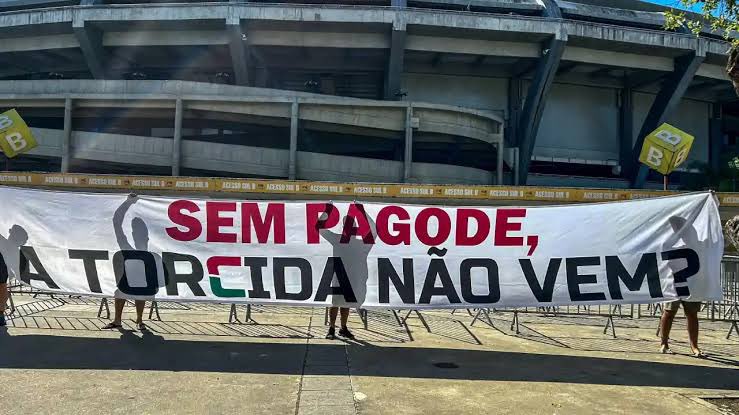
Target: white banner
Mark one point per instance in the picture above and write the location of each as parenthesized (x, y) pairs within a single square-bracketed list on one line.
[(370, 255)]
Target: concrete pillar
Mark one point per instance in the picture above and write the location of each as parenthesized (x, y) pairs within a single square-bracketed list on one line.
[(715, 137), (515, 105), (408, 153), (67, 138), (394, 69), (665, 102), (516, 158), (294, 113), (239, 51), (177, 142), (551, 9), (536, 100), (262, 78), (625, 128), (499, 169), (91, 45)]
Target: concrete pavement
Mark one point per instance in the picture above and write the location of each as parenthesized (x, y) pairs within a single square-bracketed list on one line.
[(54, 359)]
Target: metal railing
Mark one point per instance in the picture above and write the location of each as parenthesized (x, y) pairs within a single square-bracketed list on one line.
[(724, 310), (728, 308)]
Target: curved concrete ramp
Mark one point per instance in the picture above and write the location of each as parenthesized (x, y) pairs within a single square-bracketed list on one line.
[(273, 106), (246, 160), (350, 120)]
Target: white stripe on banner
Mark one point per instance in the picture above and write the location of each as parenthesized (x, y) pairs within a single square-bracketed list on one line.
[(362, 255)]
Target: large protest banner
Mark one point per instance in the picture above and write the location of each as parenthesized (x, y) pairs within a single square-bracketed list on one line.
[(369, 255)]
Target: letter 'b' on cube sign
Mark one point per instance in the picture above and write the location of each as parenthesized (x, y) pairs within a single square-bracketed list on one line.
[(15, 136), (666, 148)]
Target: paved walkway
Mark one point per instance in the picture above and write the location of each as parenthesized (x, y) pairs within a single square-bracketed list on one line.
[(54, 359)]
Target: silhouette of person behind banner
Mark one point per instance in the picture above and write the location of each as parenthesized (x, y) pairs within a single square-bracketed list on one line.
[(682, 231), (10, 254), (10, 250), (140, 233), (685, 232), (352, 251), (353, 254)]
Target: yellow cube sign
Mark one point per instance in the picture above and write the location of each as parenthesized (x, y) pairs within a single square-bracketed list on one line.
[(15, 136), (666, 148)]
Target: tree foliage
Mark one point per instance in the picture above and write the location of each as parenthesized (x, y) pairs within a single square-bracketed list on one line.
[(720, 17), (722, 179), (717, 16)]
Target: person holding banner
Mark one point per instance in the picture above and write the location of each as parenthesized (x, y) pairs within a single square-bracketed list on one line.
[(687, 234), (140, 233), (691, 309), (351, 249), (9, 262)]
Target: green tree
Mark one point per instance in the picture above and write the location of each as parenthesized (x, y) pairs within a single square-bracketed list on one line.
[(717, 16), (723, 179)]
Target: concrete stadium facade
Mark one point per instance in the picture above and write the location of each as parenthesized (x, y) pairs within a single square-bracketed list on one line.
[(432, 91)]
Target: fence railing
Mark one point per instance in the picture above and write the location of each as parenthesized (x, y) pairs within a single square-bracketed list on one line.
[(725, 310)]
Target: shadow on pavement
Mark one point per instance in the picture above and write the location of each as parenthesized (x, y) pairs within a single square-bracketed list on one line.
[(718, 349), (275, 331), (152, 352)]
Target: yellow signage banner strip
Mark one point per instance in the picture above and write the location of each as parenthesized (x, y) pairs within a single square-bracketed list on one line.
[(328, 189)]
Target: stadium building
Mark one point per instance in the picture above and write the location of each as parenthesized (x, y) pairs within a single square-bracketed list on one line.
[(551, 93)]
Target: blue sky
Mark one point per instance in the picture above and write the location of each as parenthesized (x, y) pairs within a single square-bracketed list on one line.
[(673, 3)]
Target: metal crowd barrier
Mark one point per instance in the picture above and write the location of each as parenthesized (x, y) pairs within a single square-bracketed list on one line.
[(726, 310), (606, 311)]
